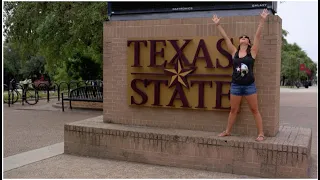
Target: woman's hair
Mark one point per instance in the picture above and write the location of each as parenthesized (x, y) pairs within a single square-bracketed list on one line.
[(249, 46)]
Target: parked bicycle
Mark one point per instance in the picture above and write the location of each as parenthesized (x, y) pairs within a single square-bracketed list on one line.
[(32, 92), (27, 94)]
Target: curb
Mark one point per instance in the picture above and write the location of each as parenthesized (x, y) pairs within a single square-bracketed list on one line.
[(58, 105)]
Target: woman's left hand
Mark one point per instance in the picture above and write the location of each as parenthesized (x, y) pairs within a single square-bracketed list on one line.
[(264, 14)]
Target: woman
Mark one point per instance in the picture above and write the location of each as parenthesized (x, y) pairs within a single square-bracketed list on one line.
[(243, 81)]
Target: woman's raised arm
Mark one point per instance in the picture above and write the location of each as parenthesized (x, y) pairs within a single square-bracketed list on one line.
[(257, 37), (232, 49)]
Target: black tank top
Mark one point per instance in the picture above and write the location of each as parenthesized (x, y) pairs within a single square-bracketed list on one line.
[(243, 70)]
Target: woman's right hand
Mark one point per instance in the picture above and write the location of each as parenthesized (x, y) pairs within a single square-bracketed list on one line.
[(232, 49), (215, 19)]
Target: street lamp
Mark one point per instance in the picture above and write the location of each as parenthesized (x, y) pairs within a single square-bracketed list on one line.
[(299, 69)]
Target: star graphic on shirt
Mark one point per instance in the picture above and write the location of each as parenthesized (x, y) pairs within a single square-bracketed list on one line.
[(179, 74), (238, 69)]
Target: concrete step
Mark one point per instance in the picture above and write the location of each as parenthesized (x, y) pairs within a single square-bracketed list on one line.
[(286, 155)]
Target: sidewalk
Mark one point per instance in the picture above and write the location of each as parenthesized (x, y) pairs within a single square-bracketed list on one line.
[(68, 166), (311, 89), (30, 127)]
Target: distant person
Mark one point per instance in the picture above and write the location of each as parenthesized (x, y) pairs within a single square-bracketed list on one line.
[(243, 81)]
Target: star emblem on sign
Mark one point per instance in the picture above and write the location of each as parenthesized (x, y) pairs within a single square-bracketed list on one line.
[(179, 75)]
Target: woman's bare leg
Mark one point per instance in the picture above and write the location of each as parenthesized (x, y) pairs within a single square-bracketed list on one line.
[(235, 105), (253, 104)]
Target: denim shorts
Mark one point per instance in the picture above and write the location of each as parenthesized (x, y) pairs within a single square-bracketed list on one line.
[(243, 90)]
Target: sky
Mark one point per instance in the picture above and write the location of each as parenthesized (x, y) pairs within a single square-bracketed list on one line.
[(300, 19)]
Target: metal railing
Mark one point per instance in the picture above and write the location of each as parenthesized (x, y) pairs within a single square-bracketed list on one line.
[(29, 92)]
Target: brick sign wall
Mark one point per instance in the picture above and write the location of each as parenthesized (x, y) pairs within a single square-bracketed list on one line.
[(119, 58)]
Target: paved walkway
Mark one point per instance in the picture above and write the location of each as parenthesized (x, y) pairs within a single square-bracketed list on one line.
[(32, 127), (67, 166), (32, 156), (312, 89), (295, 110)]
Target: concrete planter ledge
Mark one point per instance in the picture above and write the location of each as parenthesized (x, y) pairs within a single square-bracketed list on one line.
[(287, 155)]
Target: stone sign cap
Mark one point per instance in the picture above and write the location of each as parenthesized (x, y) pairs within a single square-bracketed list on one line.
[(168, 10)]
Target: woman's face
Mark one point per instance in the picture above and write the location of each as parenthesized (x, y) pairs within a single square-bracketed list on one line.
[(244, 40)]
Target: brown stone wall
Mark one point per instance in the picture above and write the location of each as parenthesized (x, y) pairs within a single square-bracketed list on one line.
[(267, 73)]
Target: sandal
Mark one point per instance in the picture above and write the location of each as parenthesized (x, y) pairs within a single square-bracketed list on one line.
[(260, 138), (224, 133)]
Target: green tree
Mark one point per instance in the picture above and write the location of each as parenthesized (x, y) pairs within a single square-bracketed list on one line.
[(11, 63), (59, 32), (292, 55), (284, 35), (14, 67), (33, 68)]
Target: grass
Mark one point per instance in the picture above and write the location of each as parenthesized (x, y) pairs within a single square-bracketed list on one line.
[(42, 95), (287, 87)]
